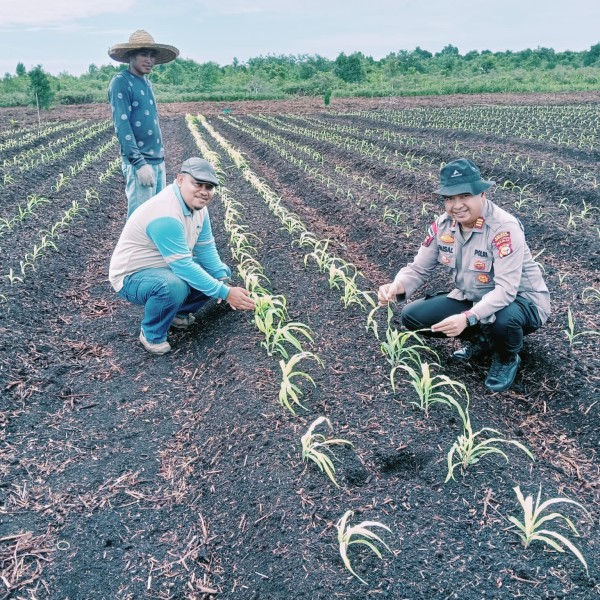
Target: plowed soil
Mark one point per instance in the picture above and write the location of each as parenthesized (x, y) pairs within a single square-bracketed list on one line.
[(125, 475)]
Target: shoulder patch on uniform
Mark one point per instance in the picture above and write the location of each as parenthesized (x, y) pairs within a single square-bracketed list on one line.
[(503, 243), (479, 223), (431, 233)]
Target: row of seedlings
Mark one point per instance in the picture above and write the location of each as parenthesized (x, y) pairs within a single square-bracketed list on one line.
[(392, 214), (29, 159), (315, 446), (570, 126), (22, 212), (470, 446), (380, 192), (18, 138), (49, 235), (270, 316), (271, 309), (509, 160)]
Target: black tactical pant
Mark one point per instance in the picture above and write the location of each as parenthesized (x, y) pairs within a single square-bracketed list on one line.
[(504, 335)]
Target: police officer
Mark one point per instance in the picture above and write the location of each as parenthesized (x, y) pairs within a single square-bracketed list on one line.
[(499, 296)]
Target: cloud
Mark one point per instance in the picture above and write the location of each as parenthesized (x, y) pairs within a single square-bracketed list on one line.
[(53, 12)]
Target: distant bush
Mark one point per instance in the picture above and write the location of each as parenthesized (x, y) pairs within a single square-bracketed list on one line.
[(14, 99), (403, 73), (76, 97)]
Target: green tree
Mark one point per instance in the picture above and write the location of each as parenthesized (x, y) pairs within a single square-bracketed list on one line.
[(20, 70), (350, 68), (592, 56), (39, 86)]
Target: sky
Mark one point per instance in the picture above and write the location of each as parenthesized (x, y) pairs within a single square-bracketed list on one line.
[(69, 35)]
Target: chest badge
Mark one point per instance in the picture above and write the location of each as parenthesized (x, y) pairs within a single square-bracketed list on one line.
[(447, 238), (445, 259), (479, 265), (483, 278)]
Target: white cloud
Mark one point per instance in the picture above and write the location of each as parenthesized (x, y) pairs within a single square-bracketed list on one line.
[(52, 12)]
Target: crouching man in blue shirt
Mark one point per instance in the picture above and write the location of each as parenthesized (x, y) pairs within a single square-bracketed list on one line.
[(166, 258)]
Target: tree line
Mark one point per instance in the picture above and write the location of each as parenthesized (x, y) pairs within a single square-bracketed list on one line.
[(416, 72)]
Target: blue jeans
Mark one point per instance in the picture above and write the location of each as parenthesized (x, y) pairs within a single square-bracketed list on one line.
[(163, 296), (138, 194)]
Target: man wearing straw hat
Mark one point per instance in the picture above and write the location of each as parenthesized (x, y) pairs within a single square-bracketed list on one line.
[(135, 116), (499, 296)]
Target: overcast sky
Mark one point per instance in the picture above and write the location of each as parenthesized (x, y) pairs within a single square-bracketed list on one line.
[(69, 35)]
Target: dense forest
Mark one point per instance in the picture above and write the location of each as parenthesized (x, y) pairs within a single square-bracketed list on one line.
[(402, 73)]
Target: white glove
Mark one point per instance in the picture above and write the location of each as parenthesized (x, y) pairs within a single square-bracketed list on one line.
[(145, 175)]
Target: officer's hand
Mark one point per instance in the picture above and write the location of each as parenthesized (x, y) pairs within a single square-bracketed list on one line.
[(239, 298), (387, 293), (145, 176), (451, 326)]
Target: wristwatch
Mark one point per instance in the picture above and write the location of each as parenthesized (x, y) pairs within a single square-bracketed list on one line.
[(472, 318)]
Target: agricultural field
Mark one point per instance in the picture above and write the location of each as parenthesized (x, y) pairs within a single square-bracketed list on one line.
[(125, 475)]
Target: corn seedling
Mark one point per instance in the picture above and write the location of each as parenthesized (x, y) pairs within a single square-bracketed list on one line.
[(469, 451), (314, 446), (320, 255), (529, 529), (283, 334), (587, 210), (408, 231), (431, 389), (12, 278), (537, 262), (269, 314), (570, 331), (290, 392), (394, 216), (60, 182), (589, 295), (358, 534), (371, 322), (396, 349), (268, 311), (339, 277)]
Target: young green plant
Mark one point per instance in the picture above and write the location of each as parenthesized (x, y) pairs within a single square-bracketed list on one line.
[(469, 450), (529, 529), (570, 331), (358, 534), (396, 348), (290, 392), (431, 389), (315, 445)]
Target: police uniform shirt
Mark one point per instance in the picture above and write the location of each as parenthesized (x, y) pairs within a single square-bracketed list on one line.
[(490, 265)]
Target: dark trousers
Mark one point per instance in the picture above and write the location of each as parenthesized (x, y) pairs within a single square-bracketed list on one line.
[(505, 334)]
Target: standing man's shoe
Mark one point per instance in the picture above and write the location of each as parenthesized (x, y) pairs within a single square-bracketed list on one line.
[(502, 372), (160, 348)]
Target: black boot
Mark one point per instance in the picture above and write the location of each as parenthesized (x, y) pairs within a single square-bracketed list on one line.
[(502, 372), (473, 349)]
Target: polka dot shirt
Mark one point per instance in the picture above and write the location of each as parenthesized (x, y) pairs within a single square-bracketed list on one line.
[(136, 119)]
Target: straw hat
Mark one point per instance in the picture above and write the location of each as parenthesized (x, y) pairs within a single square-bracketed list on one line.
[(142, 39)]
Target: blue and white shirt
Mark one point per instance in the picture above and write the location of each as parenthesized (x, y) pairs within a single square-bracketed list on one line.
[(164, 233), (135, 118)]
